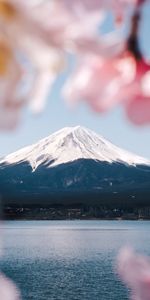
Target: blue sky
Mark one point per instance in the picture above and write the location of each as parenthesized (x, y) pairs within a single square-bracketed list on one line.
[(113, 125)]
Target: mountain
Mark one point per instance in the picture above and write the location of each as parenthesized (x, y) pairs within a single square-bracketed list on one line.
[(70, 144), (74, 166)]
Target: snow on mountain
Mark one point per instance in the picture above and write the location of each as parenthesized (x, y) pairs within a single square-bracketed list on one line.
[(69, 144)]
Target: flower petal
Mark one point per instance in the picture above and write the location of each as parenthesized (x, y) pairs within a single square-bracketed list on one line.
[(138, 110), (134, 270), (8, 290)]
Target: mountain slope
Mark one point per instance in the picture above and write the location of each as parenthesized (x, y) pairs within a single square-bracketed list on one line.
[(74, 166), (70, 144)]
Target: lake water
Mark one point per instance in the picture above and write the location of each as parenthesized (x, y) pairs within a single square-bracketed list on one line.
[(69, 260)]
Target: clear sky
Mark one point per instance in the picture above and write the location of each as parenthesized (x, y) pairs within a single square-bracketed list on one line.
[(113, 125)]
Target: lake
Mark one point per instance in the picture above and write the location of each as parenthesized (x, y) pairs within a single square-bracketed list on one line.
[(69, 260)]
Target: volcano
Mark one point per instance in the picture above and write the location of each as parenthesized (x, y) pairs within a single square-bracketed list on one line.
[(74, 166)]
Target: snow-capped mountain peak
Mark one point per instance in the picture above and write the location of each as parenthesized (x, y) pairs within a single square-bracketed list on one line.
[(69, 144)]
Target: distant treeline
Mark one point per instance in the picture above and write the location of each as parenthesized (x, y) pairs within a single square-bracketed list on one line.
[(68, 213)]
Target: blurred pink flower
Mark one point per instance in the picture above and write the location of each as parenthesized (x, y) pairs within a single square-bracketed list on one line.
[(37, 36), (120, 75), (95, 5), (96, 81), (134, 270), (99, 78), (10, 74), (8, 290), (32, 33), (137, 94), (39, 33), (138, 110)]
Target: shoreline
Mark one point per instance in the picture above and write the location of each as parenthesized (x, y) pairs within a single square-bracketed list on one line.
[(75, 219), (84, 213)]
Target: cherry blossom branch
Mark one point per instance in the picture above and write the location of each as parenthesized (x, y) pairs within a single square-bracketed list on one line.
[(44, 34)]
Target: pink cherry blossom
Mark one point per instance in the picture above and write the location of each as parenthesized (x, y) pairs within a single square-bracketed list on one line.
[(42, 33), (134, 270), (138, 110), (88, 5), (105, 82), (101, 81), (8, 290), (31, 33), (10, 74), (97, 81), (137, 94), (121, 76)]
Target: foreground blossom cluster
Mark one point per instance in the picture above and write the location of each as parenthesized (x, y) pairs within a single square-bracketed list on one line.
[(37, 38), (114, 73), (134, 270), (8, 290)]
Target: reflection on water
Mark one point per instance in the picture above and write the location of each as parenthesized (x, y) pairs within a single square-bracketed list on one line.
[(69, 259)]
